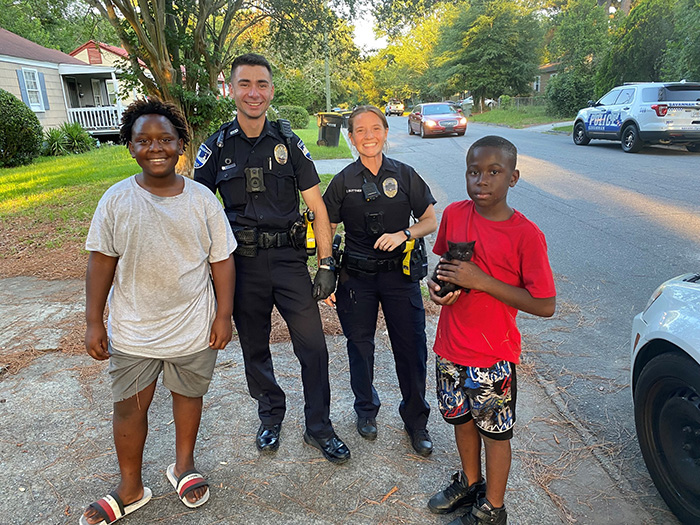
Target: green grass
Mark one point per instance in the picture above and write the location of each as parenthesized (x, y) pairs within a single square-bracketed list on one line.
[(516, 118), (564, 129), (310, 135), (51, 201)]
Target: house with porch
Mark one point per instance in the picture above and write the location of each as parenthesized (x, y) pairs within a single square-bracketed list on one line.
[(99, 53), (58, 87)]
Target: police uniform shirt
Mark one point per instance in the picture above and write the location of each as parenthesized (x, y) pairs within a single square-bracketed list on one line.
[(285, 169), (401, 191)]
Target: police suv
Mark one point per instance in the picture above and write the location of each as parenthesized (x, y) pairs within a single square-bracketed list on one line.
[(666, 392), (637, 114)]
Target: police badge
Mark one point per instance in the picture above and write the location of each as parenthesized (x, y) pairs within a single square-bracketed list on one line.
[(281, 154), (390, 187)]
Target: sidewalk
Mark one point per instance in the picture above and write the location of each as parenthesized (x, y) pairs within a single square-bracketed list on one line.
[(549, 128), (57, 452)]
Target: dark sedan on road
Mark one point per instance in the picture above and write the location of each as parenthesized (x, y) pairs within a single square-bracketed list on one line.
[(436, 118)]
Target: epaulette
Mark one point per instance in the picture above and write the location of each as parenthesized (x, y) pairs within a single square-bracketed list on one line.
[(222, 134)]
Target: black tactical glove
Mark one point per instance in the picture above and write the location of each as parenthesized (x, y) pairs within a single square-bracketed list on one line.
[(324, 284)]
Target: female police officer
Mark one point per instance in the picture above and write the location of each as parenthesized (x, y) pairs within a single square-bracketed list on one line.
[(374, 197)]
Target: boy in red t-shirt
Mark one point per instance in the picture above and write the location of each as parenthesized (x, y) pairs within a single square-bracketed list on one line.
[(477, 342)]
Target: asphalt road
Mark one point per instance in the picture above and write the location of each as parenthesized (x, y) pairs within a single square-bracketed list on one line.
[(617, 225)]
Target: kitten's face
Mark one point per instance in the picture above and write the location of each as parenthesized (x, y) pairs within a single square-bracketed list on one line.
[(461, 250)]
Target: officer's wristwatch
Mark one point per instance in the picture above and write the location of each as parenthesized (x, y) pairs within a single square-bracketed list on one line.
[(407, 233), (327, 263)]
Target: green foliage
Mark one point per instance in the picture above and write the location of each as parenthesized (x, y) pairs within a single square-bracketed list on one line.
[(55, 142), (568, 92), (297, 115), (637, 50), (68, 138), (581, 34), (77, 139), (492, 49), (292, 88), (20, 132), (56, 24), (505, 102), (224, 111), (681, 58)]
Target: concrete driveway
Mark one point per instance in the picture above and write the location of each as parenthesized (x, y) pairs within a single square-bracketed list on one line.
[(57, 452)]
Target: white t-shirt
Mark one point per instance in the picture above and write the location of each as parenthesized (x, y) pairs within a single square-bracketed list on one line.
[(162, 299)]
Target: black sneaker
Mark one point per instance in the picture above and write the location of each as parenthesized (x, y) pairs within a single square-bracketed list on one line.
[(457, 494), (483, 514)]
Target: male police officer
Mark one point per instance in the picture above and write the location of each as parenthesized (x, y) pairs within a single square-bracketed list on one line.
[(258, 166)]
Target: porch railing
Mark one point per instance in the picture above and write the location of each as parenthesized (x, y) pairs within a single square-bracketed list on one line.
[(96, 119)]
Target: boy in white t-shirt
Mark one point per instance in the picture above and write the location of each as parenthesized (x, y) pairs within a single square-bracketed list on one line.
[(155, 240)]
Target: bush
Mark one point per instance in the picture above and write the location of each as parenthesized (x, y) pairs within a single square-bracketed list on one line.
[(68, 138), (55, 142), (297, 115), (505, 102), (77, 139), (568, 92), (20, 132)]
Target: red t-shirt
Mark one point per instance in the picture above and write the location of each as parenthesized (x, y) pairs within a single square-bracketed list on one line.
[(479, 330)]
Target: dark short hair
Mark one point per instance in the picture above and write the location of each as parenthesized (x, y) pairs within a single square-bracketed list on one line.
[(153, 106), (250, 59), (494, 141), (366, 109)]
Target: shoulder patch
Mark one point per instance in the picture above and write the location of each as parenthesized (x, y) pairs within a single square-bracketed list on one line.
[(304, 149), (202, 156)]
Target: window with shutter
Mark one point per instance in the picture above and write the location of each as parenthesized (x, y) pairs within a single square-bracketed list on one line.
[(31, 84)]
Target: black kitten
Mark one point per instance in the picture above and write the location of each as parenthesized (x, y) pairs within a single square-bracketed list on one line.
[(462, 251)]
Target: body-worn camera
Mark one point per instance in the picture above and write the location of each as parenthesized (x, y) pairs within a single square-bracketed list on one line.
[(254, 180), (375, 223), (370, 191)]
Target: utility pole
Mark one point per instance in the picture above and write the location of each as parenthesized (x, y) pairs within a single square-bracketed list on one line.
[(328, 71)]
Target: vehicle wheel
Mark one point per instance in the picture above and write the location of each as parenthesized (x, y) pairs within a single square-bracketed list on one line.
[(580, 136), (631, 143), (694, 148), (410, 129), (461, 133), (667, 417), (422, 131)]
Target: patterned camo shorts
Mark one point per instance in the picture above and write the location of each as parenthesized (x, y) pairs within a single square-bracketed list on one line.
[(486, 395)]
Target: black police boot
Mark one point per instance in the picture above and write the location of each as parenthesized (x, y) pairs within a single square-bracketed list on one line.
[(367, 427), (268, 438), (420, 441), (457, 494), (333, 449)]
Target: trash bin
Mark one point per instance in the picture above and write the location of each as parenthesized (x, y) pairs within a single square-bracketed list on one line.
[(329, 125), (346, 117)]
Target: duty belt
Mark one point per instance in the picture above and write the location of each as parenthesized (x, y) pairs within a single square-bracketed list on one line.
[(370, 264), (250, 239)]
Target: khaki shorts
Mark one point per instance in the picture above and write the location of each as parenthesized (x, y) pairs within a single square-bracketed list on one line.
[(188, 375)]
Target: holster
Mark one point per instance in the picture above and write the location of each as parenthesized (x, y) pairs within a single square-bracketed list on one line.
[(297, 235), (247, 239)]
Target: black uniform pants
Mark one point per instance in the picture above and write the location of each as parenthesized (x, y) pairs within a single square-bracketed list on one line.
[(279, 276), (357, 299)]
